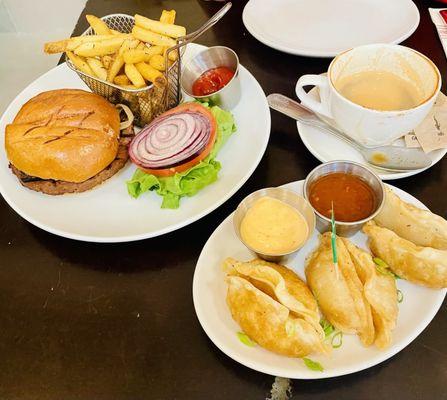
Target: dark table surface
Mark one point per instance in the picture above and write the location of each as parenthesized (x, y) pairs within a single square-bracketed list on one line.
[(96, 321)]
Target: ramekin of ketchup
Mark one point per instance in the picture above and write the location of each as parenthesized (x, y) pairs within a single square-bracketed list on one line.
[(213, 76), (212, 81)]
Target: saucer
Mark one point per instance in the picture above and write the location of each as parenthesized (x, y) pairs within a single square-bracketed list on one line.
[(327, 147)]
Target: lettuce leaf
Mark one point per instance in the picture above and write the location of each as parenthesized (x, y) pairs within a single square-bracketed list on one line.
[(187, 183)]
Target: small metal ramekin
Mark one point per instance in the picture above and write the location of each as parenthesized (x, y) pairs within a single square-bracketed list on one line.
[(348, 167), (218, 56), (287, 196)]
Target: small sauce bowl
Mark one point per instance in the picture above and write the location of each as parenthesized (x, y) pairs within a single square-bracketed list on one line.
[(218, 56), (289, 197), (347, 167)]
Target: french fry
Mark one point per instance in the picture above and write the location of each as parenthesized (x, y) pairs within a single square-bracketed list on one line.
[(122, 80), (157, 61), (76, 41), (127, 45), (118, 62), (151, 74), (80, 63), (171, 30), (114, 69), (101, 48), (172, 56), (97, 67), (115, 32), (135, 56), (107, 61), (70, 44), (98, 25), (141, 46), (133, 87), (167, 17), (134, 75), (152, 38), (55, 47)]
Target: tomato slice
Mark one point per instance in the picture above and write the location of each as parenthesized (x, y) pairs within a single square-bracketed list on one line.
[(196, 107)]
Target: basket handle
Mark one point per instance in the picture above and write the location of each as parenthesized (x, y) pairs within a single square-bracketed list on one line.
[(184, 40), (208, 24)]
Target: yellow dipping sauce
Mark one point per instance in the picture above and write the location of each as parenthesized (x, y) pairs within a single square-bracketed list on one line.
[(272, 227)]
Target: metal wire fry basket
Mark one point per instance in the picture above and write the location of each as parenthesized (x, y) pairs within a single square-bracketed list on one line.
[(146, 103)]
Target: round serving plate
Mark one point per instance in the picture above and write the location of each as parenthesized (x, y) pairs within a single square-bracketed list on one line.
[(107, 213), (418, 308), (324, 28)]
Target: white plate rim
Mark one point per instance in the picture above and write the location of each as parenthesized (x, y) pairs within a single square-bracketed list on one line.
[(174, 227), (423, 324), (319, 53)]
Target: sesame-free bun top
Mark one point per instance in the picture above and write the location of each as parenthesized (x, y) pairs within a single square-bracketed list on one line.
[(66, 134)]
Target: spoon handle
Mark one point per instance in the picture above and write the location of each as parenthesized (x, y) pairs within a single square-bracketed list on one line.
[(298, 112)]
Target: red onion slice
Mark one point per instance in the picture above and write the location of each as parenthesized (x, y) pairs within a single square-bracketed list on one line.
[(170, 139)]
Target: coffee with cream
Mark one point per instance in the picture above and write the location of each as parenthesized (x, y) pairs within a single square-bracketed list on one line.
[(380, 90)]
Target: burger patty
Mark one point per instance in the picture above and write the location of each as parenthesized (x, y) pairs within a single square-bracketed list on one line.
[(53, 187)]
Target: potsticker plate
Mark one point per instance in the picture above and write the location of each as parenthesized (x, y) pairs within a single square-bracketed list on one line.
[(418, 308)]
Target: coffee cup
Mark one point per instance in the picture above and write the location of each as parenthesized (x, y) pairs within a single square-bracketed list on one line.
[(374, 93)]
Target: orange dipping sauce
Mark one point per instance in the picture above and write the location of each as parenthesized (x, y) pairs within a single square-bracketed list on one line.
[(211, 81), (352, 197)]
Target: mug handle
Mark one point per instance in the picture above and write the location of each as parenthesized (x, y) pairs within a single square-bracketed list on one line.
[(322, 83)]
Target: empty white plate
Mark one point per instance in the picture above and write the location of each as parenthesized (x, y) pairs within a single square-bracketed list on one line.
[(324, 28), (418, 308)]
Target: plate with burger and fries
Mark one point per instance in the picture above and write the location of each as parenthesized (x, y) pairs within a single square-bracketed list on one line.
[(66, 166)]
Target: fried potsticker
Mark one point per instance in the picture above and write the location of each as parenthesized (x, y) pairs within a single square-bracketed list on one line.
[(274, 307), (340, 294), (380, 291), (421, 227), (421, 265)]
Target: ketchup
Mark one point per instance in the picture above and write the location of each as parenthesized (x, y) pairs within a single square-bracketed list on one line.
[(211, 81)]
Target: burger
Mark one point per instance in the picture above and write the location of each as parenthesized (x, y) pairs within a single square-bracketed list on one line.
[(66, 141)]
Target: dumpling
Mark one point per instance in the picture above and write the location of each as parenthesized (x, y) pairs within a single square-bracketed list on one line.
[(359, 299), (339, 295), (274, 307), (422, 265), (380, 291), (421, 227)]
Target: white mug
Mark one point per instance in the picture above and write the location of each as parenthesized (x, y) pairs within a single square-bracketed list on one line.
[(365, 125)]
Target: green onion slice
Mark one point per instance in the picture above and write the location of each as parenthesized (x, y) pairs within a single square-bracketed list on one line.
[(328, 329), (337, 340), (383, 268), (400, 296), (245, 339), (313, 365)]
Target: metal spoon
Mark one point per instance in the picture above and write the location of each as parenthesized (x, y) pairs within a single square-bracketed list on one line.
[(390, 158)]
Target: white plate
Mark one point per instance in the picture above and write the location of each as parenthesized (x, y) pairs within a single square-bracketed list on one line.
[(107, 213), (418, 308), (324, 28), (327, 147)]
